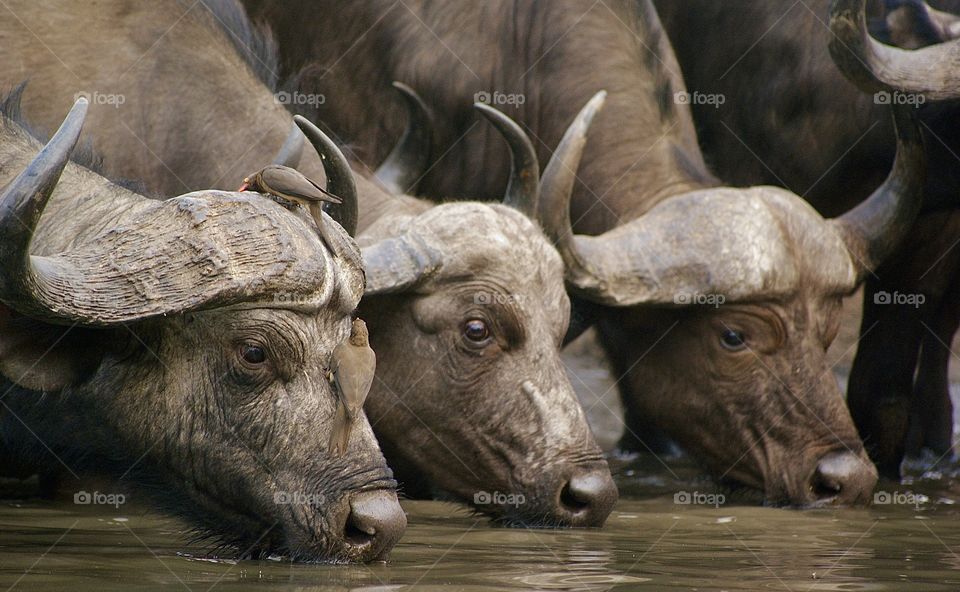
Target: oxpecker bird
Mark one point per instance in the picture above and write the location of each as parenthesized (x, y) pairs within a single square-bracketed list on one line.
[(351, 376), (291, 185)]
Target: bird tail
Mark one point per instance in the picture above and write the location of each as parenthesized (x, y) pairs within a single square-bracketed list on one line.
[(340, 433)]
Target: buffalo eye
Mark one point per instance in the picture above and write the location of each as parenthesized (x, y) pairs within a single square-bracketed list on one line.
[(476, 331), (253, 354), (733, 340)]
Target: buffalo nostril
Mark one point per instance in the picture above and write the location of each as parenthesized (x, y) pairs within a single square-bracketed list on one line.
[(575, 501), (588, 497), (375, 523), (843, 477)]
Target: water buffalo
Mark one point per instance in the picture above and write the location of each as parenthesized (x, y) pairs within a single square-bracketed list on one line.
[(659, 244), (471, 305), (807, 129), (145, 340), (484, 420), (928, 69)]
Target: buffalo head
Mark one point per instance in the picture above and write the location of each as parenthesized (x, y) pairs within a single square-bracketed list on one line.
[(467, 310), (726, 300), (184, 343)]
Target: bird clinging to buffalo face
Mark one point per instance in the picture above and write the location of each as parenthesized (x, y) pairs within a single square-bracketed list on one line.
[(352, 373)]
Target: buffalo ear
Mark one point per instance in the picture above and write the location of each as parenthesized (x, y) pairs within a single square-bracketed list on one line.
[(44, 357)]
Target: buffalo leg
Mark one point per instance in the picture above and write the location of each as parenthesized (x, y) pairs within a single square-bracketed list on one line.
[(881, 378), (931, 423)]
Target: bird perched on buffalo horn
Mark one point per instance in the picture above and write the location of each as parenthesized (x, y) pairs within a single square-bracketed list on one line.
[(291, 185), (352, 372)]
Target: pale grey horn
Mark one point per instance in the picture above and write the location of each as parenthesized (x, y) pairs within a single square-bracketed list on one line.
[(556, 189), (396, 264), (873, 229), (154, 263), (25, 283)]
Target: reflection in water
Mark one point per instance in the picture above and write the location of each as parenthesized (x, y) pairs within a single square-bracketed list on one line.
[(574, 581), (648, 544), (582, 569)]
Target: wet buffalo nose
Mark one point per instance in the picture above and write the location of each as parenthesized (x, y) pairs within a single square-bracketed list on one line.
[(587, 498), (843, 478), (374, 525)]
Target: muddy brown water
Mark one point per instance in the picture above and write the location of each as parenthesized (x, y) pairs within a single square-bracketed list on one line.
[(650, 542)]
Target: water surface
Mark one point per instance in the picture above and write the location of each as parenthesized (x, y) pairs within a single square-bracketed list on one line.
[(648, 544)]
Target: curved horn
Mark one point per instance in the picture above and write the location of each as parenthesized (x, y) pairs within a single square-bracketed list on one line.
[(523, 190), (153, 261), (875, 227), (289, 153), (682, 246), (556, 189), (340, 180), (21, 205), (395, 264), (408, 160), (873, 66)]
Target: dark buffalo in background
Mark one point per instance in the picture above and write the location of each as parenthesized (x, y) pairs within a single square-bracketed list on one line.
[(790, 118), (762, 408)]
